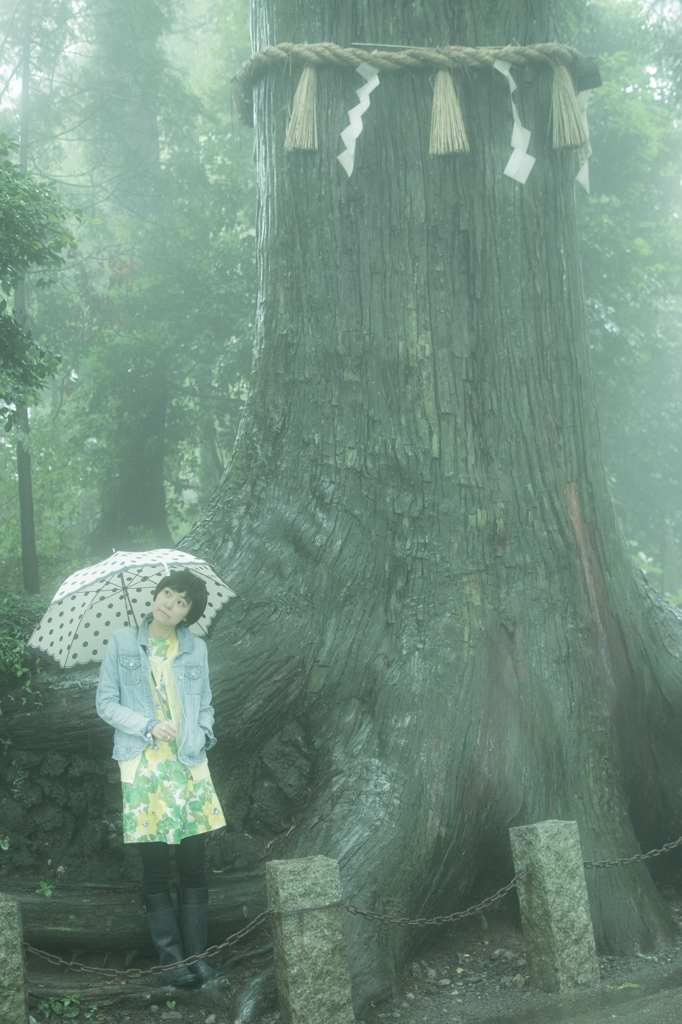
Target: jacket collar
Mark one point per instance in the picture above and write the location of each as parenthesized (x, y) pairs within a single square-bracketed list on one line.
[(185, 637)]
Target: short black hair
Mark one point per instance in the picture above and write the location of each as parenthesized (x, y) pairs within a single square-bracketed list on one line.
[(182, 581)]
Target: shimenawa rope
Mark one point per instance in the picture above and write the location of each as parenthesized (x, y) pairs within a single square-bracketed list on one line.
[(448, 134)]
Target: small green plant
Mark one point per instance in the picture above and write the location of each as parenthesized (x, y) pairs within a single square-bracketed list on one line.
[(45, 888), (19, 615), (170, 1003), (646, 564), (90, 1012), (20, 776), (4, 842), (68, 1007)]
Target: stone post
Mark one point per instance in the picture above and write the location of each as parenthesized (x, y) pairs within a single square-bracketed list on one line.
[(13, 979), (311, 953), (555, 911)]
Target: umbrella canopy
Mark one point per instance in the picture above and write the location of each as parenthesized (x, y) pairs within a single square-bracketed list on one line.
[(117, 592)]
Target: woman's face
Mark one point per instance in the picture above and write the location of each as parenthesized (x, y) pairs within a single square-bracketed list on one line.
[(170, 607)]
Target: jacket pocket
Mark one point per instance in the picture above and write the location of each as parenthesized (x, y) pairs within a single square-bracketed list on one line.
[(130, 669), (193, 679)]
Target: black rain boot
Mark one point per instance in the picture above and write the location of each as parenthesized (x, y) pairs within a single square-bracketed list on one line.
[(194, 919), (163, 928)]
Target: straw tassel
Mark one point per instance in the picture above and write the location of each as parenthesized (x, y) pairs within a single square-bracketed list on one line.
[(568, 127), (447, 127), (302, 133)]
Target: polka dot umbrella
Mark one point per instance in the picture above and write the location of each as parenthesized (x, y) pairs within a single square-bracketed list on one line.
[(117, 592)]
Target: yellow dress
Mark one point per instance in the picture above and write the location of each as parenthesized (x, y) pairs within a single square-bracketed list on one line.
[(164, 800)]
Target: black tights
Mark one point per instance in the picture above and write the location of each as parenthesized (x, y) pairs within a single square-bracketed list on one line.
[(189, 857)]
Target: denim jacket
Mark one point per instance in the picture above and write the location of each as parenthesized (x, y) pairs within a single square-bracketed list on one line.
[(125, 700)]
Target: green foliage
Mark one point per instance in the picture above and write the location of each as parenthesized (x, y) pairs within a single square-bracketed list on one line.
[(32, 235), (631, 228), (46, 889), (646, 564), (32, 222), (154, 323), (24, 367), (19, 616), (67, 1007)]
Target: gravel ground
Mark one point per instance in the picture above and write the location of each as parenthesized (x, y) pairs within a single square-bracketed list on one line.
[(470, 973)]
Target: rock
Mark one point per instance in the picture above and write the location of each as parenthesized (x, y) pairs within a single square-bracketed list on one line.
[(211, 1019), (518, 981), (444, 982), (555, 910), (171, 1015), (13, 977), (410, 995), (431, 974), (497, 953), (310, 950), (415, 970)]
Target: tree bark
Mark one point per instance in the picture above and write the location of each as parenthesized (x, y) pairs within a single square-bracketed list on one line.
[(416, 515), (417, 491), (126, 80), (133, 502), (29, 553)]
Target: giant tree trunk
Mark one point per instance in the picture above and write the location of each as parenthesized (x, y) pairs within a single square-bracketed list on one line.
[(416, 505), (416, 515)]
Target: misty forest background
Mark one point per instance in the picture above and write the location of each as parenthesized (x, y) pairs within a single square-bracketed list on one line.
[(151, 316)]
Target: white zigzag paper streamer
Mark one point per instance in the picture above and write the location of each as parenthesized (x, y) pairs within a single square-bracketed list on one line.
[(520, 163), (350, 134), (583, 175)]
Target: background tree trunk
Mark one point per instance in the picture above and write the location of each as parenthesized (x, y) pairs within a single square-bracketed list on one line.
[(442, 634), (134, 499), (133, 503), (29, 553)]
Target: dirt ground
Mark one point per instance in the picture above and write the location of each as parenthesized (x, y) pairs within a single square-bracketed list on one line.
[(474, 971)]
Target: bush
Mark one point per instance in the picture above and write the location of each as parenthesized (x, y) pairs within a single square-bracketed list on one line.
[(19, 616)]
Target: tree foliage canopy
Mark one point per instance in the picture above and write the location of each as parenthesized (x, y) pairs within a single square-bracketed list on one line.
[(33, 235)]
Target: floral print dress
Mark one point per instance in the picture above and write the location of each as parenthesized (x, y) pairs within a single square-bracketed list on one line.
[(166, 802)]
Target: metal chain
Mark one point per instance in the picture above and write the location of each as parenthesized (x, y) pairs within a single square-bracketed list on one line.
[(422, 922), (404, 922), (133, 972), (631, 860)]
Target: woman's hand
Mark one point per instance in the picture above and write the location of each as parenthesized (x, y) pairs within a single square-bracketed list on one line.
[(165, 731)]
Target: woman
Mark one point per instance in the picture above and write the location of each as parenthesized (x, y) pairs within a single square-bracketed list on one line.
[(154, 691)]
